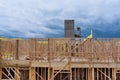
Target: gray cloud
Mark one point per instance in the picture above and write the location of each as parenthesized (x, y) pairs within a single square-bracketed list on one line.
[(45, 18)]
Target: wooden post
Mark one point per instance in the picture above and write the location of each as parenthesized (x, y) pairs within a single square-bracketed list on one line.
[(0, 73), (44, 73), (114, 74), (91, 74), (32, 75), (16, 77), (49, 73)]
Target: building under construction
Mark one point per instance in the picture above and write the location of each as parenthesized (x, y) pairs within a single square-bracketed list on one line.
[(60, 59)]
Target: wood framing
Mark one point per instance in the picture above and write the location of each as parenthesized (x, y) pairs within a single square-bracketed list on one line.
[(60, 58)]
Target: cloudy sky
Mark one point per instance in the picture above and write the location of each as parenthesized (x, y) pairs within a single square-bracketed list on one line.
[(45, 18)]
